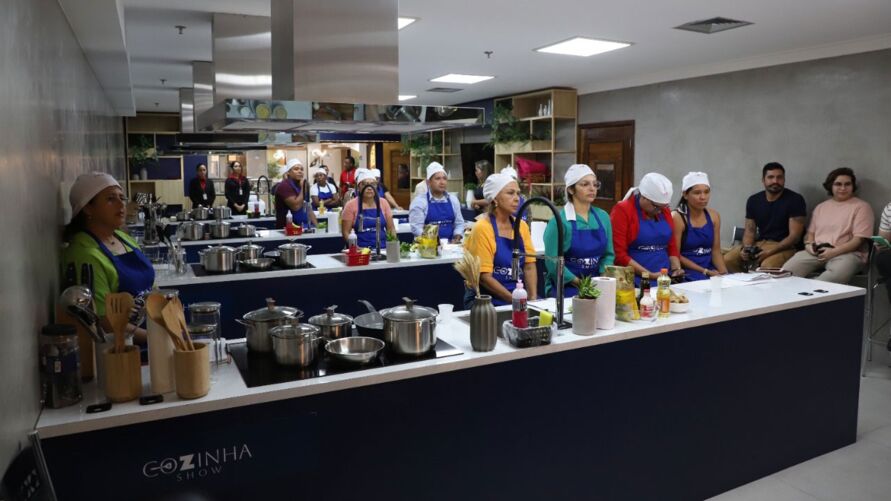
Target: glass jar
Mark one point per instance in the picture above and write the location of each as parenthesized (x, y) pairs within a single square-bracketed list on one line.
[(206, 313), (60, 365)]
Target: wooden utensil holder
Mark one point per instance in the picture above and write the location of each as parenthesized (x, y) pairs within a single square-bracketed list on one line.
[(192, 372), (123, 374)]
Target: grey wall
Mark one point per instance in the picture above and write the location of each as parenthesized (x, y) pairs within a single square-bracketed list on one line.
[(55, 123), (811, 117)]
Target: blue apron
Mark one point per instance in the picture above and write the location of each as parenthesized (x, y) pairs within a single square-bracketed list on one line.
[(300, 217), (698, 246), (650, 248), (442, 213), (135, 272), (526, 215), (502, 261), (365, 227), (586, 249), (324, 195)]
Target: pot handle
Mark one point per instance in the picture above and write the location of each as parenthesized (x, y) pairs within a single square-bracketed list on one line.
[(242, 322), (409, 303)]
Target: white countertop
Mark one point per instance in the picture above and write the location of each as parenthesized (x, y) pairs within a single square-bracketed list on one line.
[(228, 389)]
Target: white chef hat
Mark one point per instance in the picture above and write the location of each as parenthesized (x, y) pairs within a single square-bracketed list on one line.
[(694, 178), (575, 173), (87, 186), (494, 184), (510, 171), (292, 162), (364, 174), (376, 173), (435, 167), (656, 187)]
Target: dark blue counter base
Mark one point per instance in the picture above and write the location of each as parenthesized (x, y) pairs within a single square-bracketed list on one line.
[(676, 416)]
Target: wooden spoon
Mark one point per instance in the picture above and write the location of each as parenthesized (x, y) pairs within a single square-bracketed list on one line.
[(154, 305), (171, 320), (181, 315), (117, 310)]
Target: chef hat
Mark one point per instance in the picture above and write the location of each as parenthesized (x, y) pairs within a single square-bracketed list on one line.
[(435, 167), (315, 171), (694, 178), (87, 186), (575, 173), (494, 184), (510, 171), (292, 162), (656, 187), (376, 173), (363, 175)]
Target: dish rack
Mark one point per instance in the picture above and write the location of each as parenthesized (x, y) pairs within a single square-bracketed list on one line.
[(527, 337)]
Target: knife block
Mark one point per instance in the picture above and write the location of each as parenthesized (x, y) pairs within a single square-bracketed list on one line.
[(123, 374)]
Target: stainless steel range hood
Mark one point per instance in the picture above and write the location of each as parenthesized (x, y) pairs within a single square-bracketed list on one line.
[(334, 69)]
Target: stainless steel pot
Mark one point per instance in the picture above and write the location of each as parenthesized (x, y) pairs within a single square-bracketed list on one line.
[(260, 322), (218, 259), (293, 254), (200, 213), (219, 229), (222, 213), (192, 230), (295, 344), (246, 230), (248, 251), (410, 329), (182, 216), (333, 325)]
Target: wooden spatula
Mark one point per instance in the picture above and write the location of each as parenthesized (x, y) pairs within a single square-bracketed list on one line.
[(117, 310), (181, 314), (154, 305), (171, 320)]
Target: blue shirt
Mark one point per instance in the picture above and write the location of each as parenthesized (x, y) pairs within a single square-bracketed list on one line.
[(417, 214)]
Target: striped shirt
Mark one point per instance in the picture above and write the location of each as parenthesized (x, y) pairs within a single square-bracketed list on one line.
[(885, 223)]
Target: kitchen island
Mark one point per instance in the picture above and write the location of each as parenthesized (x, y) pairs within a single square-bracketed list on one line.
[(680, 408)]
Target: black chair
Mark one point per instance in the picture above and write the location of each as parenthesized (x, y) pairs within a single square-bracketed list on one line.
[(873, 281)]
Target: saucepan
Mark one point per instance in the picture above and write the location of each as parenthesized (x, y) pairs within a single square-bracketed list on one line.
[(370, 324), (410, 329)]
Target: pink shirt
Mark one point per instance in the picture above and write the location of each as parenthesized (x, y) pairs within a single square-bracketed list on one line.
[(837, 223), (351, 209)]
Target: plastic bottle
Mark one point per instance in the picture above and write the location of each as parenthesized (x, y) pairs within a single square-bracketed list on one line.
[(647, 307), (353, 242), (644, 286), (519, 315), (289, 223), (663, 293)]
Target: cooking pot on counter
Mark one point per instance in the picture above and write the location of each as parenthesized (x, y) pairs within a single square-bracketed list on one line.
[(222, 212), (182, 216), (246, 230), (292, 254), (333, 325), (219, 229), (259, 324), (192, 230), (410, 329), (296, 344), (218, 259), (247, 251), (200, 213)]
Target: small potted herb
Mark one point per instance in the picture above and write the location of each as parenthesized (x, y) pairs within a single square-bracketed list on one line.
[(584, 308), (393, 248)]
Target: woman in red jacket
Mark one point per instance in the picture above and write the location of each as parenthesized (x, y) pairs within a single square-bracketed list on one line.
[(643, 233)]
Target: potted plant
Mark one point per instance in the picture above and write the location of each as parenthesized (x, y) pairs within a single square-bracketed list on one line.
[(393, 248), (469, 188), (584, 308), (423, 149), (509, 134), (141, 154)]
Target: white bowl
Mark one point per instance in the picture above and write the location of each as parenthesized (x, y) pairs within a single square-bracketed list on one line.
[(680, 307)]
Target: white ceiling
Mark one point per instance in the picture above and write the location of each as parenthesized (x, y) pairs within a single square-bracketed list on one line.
[(452, 36)]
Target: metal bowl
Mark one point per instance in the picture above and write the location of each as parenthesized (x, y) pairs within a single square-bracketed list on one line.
[(260, 263), (357, 350)]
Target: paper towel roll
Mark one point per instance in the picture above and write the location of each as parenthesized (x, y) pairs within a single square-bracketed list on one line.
[(606, 303), (160, 357)]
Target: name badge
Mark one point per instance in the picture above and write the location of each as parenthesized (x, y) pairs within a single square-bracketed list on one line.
[(204, 195), (239, 192)]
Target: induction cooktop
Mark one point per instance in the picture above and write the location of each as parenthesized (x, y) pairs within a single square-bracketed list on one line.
[(201, 271)]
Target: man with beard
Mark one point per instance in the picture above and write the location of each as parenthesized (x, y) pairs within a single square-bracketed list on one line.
[(775, 221)]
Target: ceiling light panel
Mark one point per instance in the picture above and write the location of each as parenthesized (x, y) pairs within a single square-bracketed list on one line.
[(583, 47), (457, 78)]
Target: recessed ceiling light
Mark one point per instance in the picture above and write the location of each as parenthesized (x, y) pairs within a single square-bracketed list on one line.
[(581, 46), (461, 79), (403, 97), (405, 21)]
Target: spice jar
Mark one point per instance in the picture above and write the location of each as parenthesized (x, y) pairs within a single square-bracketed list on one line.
[(60, 365)]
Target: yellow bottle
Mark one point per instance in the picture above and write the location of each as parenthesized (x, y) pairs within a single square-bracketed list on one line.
[(663, 293)]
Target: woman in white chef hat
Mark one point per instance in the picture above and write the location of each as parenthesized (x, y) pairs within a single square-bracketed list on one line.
[(382, 190), (588, 234), (697, 229), (492, 241), (363, 213), (643, 230), (510, 171)]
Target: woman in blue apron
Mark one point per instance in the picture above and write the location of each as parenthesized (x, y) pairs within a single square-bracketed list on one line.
[(700, 246), (111, 259), (369, 216), (588, 245), (491, 240), (323, 192)]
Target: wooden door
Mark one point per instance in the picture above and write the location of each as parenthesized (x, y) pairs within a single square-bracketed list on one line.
[(397, 174), (608, 148)]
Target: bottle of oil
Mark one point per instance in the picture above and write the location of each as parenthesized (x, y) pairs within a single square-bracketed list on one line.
[(663, 293)]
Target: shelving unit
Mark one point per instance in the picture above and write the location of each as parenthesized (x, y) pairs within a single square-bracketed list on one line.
[(449, 157), (557, 152)]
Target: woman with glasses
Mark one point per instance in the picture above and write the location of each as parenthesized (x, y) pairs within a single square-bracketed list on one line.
[(643, 231), (697, 230), (837, 239), (588, 235)]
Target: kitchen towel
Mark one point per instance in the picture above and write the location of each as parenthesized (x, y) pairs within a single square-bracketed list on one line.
[(160, 357), (606, 303)]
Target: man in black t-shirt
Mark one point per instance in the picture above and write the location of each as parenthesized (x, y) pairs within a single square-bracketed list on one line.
[(775, 221)]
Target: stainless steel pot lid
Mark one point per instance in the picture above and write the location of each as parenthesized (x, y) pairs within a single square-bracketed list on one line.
[(217, 224), (202, 329), (272, 312), (251, 246), (205, 307), (294, 331), (330, 317), (292, 245), (217, 249), (408, 312)]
